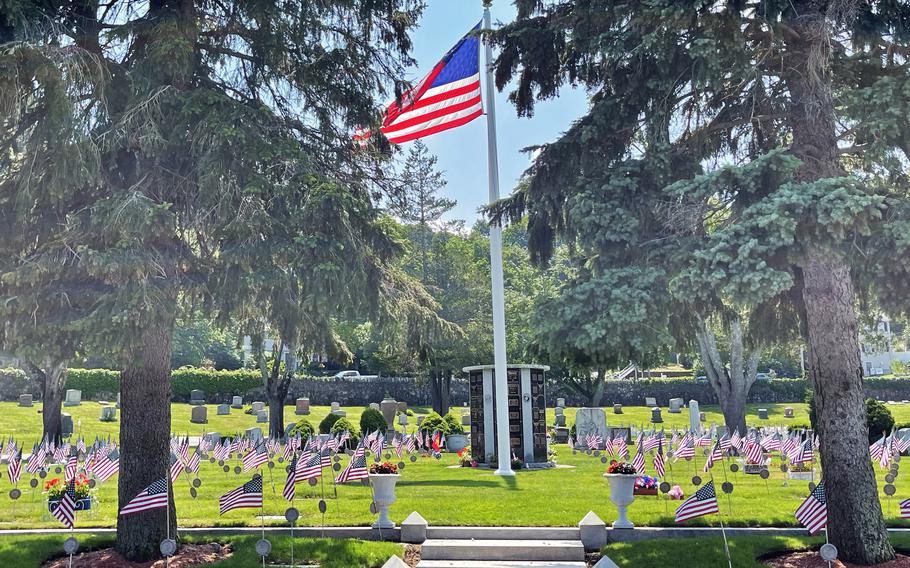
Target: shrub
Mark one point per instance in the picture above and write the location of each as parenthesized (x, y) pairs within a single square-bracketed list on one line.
[(303, 427), (343, 424), (878, 419), (372, 420), (325, 427), (434, 422), (454, 425)]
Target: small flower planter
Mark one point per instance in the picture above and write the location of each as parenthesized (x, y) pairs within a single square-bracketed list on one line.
[(81, 504), (383, 496), (643, 491), (622, 494)]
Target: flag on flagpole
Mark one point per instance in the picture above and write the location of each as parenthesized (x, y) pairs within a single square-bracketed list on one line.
[(105, 467), (152, 497), (449, 96), (15, 467), (813, 512), (356, 469), (905, 509), (702, 502), (248, 495)]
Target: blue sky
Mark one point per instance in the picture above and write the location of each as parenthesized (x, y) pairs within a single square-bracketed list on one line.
[(462, 151)]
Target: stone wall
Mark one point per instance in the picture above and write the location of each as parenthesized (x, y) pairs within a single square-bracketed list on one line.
[(416, 392)]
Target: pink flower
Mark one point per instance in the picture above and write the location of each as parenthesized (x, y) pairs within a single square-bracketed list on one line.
[(676, 493)]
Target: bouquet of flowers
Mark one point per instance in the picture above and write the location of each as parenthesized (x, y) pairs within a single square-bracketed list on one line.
[(464, 456), (387, 468), (646, 482), (622, 467), (56, 487)]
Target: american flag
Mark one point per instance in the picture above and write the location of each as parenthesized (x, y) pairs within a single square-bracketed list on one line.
[(736, 440), (176, 468), (105, 467), (80, 445), (639, 461), (36, 460), (905, 509), (152, 497), (290, 482), (310, 467), (650, 443), (449, 96), (716, 455), (877, 449), (753, 452), (704, 441), (725, 443), (14, 468), (255, 458), (702, 502), (409, 445), (685, 450), (813, 513), (328, 449), (72, 465), (193, 464), (659, 462), (65, 509), (593, 441), (357, 469), (805, 453), (248, 495), (291, 448)]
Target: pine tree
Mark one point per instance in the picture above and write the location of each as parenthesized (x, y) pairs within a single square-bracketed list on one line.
[(732, 151), (161, 131)]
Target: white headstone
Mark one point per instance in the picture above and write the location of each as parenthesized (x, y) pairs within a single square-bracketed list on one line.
[(590, 421), (561, 402), (373, 405), (25, 400), (73, 398), (262, 416), (253, 434), (223, 409), (676, 405), (650, 401), (237, 402), (694, 422), (335, 406), (258, 406)]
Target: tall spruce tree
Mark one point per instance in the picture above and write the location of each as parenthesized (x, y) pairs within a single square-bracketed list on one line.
[(160, 127), (755, 148)]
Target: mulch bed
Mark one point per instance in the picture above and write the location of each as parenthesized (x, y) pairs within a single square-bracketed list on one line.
[(813, 560), (188, 555)]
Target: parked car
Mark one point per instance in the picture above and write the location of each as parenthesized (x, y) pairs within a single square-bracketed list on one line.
[(353, 375)]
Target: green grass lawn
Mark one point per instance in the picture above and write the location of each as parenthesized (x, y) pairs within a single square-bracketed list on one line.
[(443, 495), (32, 551), (709, 552)]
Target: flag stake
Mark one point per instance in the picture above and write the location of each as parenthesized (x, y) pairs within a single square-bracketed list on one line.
[(723, 531)]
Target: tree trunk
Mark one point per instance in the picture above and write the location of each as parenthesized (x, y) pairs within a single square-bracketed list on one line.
[(731, 384), (145, 430), (52, 400), (598, 394), (855, 521)]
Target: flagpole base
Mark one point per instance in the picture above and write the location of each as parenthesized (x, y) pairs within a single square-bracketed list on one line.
[(504, 472)]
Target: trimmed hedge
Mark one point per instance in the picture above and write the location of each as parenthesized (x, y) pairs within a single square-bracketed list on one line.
[(372, 420), (94, 382)]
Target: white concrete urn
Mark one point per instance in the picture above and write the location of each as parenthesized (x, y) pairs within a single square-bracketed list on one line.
[(622, 493), (383, 485), (388, 407)]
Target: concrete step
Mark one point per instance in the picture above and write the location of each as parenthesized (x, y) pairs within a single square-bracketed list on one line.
[(490, 550), (504, 533), (498, 564)]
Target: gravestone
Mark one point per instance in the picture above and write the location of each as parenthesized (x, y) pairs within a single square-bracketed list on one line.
[(335, 406), (656, 418), (402, 419), (559, 411), (622, 432), (258, 406), (73, 398), (237, 402), (253, 434), (118, 400), (676, 405), (223, 410), (617, 409), (560, 434), (108, 414), (561, 402), (213, 437), (590, 422), (199, 415), (702, 417), (340, 413), (303, 407), (560, 420), (25, 400), (762, 413), (288, 428), (262, 417), (420, 420), (788, 412), (402, 406), (66, 424), (197, 397), (650, 401), (374, 405), (694, 422), (465, 420)]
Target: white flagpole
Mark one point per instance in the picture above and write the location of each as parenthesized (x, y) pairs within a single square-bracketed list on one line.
[(504, 453)]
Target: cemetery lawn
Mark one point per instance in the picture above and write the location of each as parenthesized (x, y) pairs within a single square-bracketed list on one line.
[(31, 551), (444, 495), (709, 552)]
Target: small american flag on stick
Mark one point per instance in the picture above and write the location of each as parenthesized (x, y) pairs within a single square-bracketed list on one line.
[(702, 502), (813, 513), (152, 497), (248, 495)]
